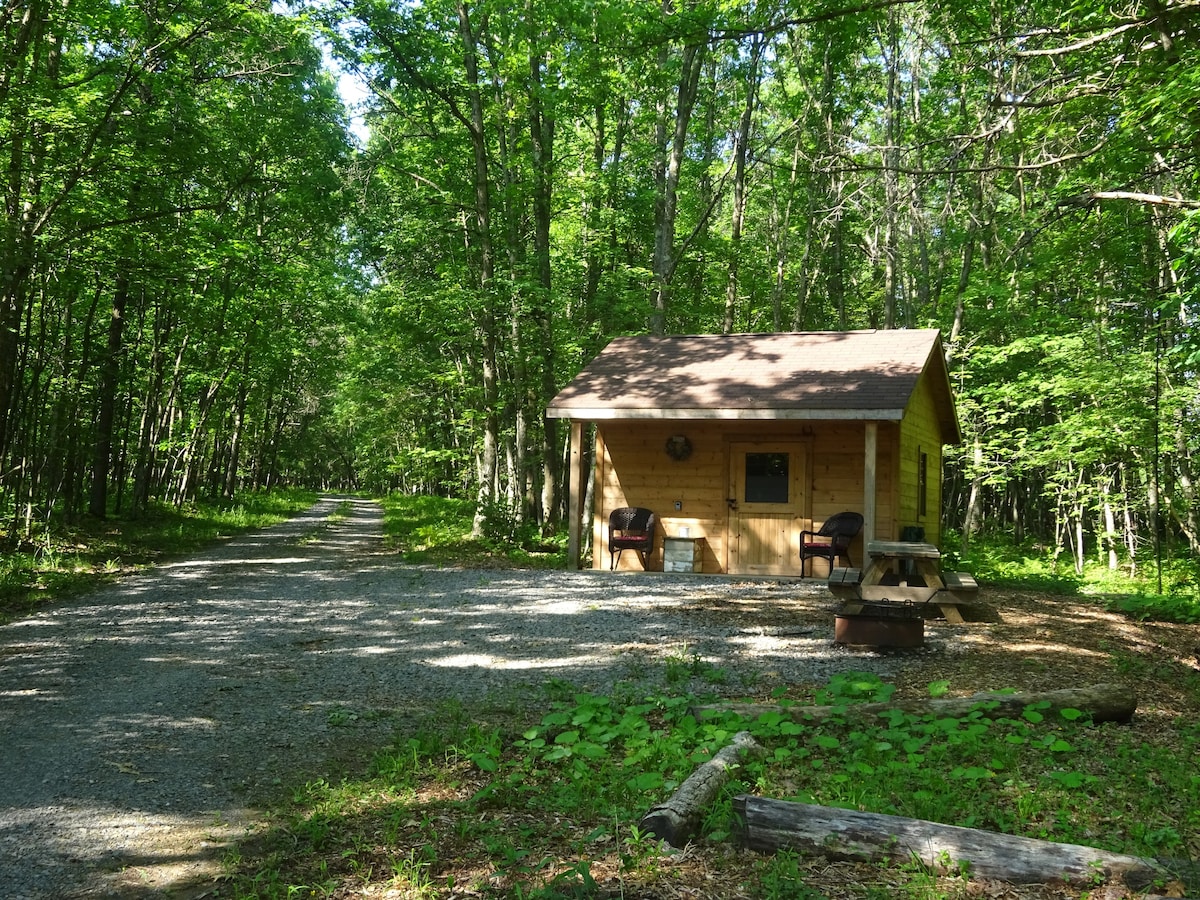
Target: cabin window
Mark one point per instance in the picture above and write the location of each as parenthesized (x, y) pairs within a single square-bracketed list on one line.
[(767, 477), (922, 483)]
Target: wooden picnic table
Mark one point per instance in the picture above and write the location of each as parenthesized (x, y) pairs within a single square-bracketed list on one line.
[(926, 583), (926, 558)]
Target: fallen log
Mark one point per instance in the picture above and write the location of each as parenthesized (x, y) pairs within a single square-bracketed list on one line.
[(677, 820), (768, 825), (1102, 702)]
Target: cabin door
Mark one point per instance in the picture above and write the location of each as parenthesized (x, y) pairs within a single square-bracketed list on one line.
[(767, 507)]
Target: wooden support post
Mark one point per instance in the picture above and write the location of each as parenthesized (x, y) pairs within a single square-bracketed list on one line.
[(575, 496), (870, 452)]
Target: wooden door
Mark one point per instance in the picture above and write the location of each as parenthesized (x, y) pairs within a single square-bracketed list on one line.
[(768, 507)]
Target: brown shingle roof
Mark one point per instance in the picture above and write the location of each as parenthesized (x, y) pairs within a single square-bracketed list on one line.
[(812, 375)]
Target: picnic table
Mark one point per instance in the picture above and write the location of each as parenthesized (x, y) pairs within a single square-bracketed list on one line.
[(920, 579)]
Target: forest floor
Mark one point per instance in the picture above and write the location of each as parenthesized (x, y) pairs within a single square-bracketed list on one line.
[(148, 728), (1013, 640)]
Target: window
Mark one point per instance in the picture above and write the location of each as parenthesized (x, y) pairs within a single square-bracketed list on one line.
[(767, 478)]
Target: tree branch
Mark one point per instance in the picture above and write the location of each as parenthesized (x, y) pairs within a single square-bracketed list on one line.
[(1136, 197), (1085, 44)]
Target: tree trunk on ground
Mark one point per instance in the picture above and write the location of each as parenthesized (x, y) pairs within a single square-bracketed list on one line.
[(1103, 702), (768, 825), (678, 819)]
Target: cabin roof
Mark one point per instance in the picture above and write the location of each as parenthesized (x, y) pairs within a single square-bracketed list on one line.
[(865, 375)]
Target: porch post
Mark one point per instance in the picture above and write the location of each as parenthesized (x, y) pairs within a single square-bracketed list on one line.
[(575, 495), (871, 445)]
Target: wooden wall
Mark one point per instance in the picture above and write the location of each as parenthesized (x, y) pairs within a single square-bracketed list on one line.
[(920, 433), (633, 469)]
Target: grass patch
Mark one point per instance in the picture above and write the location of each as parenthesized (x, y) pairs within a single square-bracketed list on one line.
[(995, 560), (438, 531), (62, 561), (545, 809)]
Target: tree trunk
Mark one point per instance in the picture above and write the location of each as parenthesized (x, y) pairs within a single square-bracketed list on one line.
[(768, 825), (110, 370), (507, 128), (541, 131), (24, 45), (678, 819), (891, 176), (975, 497), (230, 485), (482, 227), (670, 162), (1110, 534), (740, 150), (1101, 702), (1186, 513), (782, 222)]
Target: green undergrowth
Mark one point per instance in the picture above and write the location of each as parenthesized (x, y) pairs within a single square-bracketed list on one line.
[(438, 531), (1132, 590), (60, 560), (548, 809)]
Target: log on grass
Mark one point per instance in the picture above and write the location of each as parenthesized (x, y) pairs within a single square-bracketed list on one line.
[(768, 825), (1102, 702), (678, 819)]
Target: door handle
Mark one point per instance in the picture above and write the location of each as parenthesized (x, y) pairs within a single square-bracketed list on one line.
[(732, 501)]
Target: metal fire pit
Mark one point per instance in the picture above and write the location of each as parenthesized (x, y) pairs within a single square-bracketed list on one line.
[(879, 623)]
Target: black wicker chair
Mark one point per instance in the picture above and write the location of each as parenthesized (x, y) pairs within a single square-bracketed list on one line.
[(630, 528), (832, 540)]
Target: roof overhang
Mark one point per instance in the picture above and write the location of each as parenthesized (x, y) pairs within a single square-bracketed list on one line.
[(608, 413), (860, 376)]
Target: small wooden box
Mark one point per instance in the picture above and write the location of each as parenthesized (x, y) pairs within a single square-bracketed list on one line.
[(683, 554)]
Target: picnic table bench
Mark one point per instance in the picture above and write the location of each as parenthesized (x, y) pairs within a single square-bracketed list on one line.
[(927, 583)]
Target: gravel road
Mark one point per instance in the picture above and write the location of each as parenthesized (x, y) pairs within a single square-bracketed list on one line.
[(142, 725)]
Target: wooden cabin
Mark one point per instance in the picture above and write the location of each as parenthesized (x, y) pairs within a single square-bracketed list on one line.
[(740, 442)]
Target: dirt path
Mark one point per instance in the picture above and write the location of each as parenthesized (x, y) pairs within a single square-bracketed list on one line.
[(138, 723)]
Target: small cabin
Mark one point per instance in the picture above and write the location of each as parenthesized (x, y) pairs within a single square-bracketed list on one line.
[(738, 443)]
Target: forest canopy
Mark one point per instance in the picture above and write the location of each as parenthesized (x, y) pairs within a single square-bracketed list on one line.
[(210, 284)]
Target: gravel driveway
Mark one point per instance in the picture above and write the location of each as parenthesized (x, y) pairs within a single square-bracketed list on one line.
[(141, 726)]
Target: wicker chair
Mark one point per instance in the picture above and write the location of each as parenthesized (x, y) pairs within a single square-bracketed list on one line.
[(630, 528), (831, 540)]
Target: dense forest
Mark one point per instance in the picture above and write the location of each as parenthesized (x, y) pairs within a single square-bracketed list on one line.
[(210, 282)]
